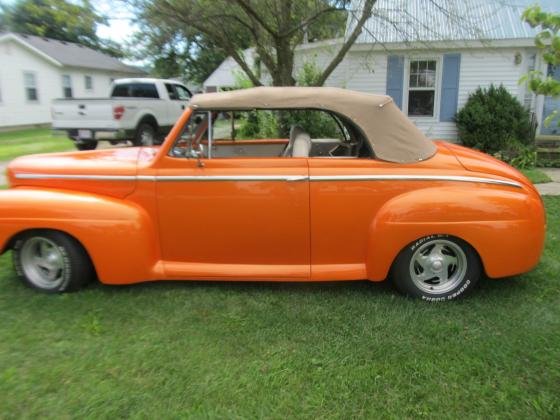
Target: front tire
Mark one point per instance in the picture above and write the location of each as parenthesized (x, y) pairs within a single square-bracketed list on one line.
[(52, 261), (145, 135), (436, 268)]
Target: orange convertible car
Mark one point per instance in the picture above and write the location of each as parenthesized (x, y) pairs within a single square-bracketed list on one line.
[(355, 191)]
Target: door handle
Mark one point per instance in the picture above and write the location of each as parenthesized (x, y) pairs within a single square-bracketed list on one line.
[(296, 178), (182, 106)]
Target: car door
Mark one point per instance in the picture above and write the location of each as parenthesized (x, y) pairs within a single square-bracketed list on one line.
[(234, 218)]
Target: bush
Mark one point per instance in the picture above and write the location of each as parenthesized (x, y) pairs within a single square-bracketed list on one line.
[(492, 120), (518, 155)]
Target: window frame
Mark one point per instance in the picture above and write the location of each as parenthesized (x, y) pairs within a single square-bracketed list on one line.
[(36, 87), (436, 88), (341, 121), (86, 78), (64, 87)]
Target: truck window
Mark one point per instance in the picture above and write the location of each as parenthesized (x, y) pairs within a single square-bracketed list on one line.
[(171, 91), (120, 91), (183, 93), (144, 90), (135, 90)]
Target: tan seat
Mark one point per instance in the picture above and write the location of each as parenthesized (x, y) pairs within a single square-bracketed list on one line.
[(302, 145)]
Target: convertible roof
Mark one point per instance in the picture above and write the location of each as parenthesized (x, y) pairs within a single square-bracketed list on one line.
[(392, 135)]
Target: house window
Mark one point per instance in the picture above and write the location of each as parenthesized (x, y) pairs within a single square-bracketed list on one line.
[(422, 88), (88, 82), (30, 84), (66, 86)]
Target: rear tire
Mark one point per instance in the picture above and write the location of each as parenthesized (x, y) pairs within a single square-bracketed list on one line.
[(86, 144), (436, 268), (145, 135), (51, 261)]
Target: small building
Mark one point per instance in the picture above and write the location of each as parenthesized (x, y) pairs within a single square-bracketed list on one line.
[(429, 58), (36, 70)]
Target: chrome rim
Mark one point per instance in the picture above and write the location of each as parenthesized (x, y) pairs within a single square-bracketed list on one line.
[(146, 138), (438, 266), (42, 262)]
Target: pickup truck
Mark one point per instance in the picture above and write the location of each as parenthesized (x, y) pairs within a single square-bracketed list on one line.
[(140, 110)]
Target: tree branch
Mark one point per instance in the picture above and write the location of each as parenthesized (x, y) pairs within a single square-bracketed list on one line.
[(366, 14), (252, 13)]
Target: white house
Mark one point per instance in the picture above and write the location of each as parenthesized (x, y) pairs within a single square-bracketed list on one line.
[(35, 70), (430, 59)]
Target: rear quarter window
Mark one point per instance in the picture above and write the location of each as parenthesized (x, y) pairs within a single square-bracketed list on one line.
[(135, 90)]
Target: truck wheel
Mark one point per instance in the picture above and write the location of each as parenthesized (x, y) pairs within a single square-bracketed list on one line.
[(86, 145), (145, 135), (52, 261), (436, 268)]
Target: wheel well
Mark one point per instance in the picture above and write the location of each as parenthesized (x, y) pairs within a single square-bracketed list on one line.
[(148, 119), (12, 241)]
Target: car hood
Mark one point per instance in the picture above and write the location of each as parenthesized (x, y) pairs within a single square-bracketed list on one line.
[(110, 171), (475, 161)]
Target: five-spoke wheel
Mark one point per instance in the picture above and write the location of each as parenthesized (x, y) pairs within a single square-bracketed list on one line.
[(51, 261), (437, 267)]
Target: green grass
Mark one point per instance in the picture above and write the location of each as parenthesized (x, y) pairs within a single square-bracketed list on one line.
[(219, 350), (536, 176), (25, 142)]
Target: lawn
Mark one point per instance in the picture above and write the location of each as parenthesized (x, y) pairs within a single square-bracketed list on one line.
[(207, 350), (536, 176), (25, 142)]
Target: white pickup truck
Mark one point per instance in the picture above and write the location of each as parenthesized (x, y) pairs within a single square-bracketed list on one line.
[(141, 110)]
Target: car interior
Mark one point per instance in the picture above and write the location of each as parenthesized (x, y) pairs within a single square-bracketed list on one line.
[(237, 134)]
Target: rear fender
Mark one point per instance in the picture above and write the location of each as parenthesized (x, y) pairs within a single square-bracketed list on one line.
[(504, 225), (118, 235)]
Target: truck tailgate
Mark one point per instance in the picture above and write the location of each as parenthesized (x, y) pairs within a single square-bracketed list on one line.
[(83, 113)]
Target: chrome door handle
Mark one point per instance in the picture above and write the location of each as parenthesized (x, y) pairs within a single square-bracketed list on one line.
[(296, 178)]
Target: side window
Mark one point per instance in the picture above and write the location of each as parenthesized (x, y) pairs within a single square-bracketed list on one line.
[(30, 84), (171, 91), (120, 91), (66, 86), (193, 141), (270, 133), (144, 90), (183, 93)]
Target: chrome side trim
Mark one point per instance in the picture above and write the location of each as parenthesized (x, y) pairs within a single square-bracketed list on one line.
[(288, 178), (78, 177), (210, 178), (414, 178)]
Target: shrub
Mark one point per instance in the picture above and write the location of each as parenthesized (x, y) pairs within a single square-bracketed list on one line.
[(492, 119), (518, 155)]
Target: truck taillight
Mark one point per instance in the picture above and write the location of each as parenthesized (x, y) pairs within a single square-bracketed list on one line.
[(118, 112)]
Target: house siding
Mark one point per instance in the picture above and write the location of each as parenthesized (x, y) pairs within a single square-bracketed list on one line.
[(367, 72), (16, 110)]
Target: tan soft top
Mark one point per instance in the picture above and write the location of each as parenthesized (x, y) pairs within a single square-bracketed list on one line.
[(392, 135)]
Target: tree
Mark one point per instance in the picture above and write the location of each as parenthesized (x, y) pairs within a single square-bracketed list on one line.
[(272, 27), (548, 41), (176, 51), (59, 19)]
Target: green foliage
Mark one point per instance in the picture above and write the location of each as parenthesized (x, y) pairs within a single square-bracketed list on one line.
[(536, 176), (59, 19), (274, 28), (548, 41), (493, 120), (518, 155)]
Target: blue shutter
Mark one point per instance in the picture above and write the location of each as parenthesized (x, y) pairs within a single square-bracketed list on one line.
[(449, 87), (395, 78)]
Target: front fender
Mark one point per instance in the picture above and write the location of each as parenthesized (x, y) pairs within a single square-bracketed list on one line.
[(119, 235), (504, 225)]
